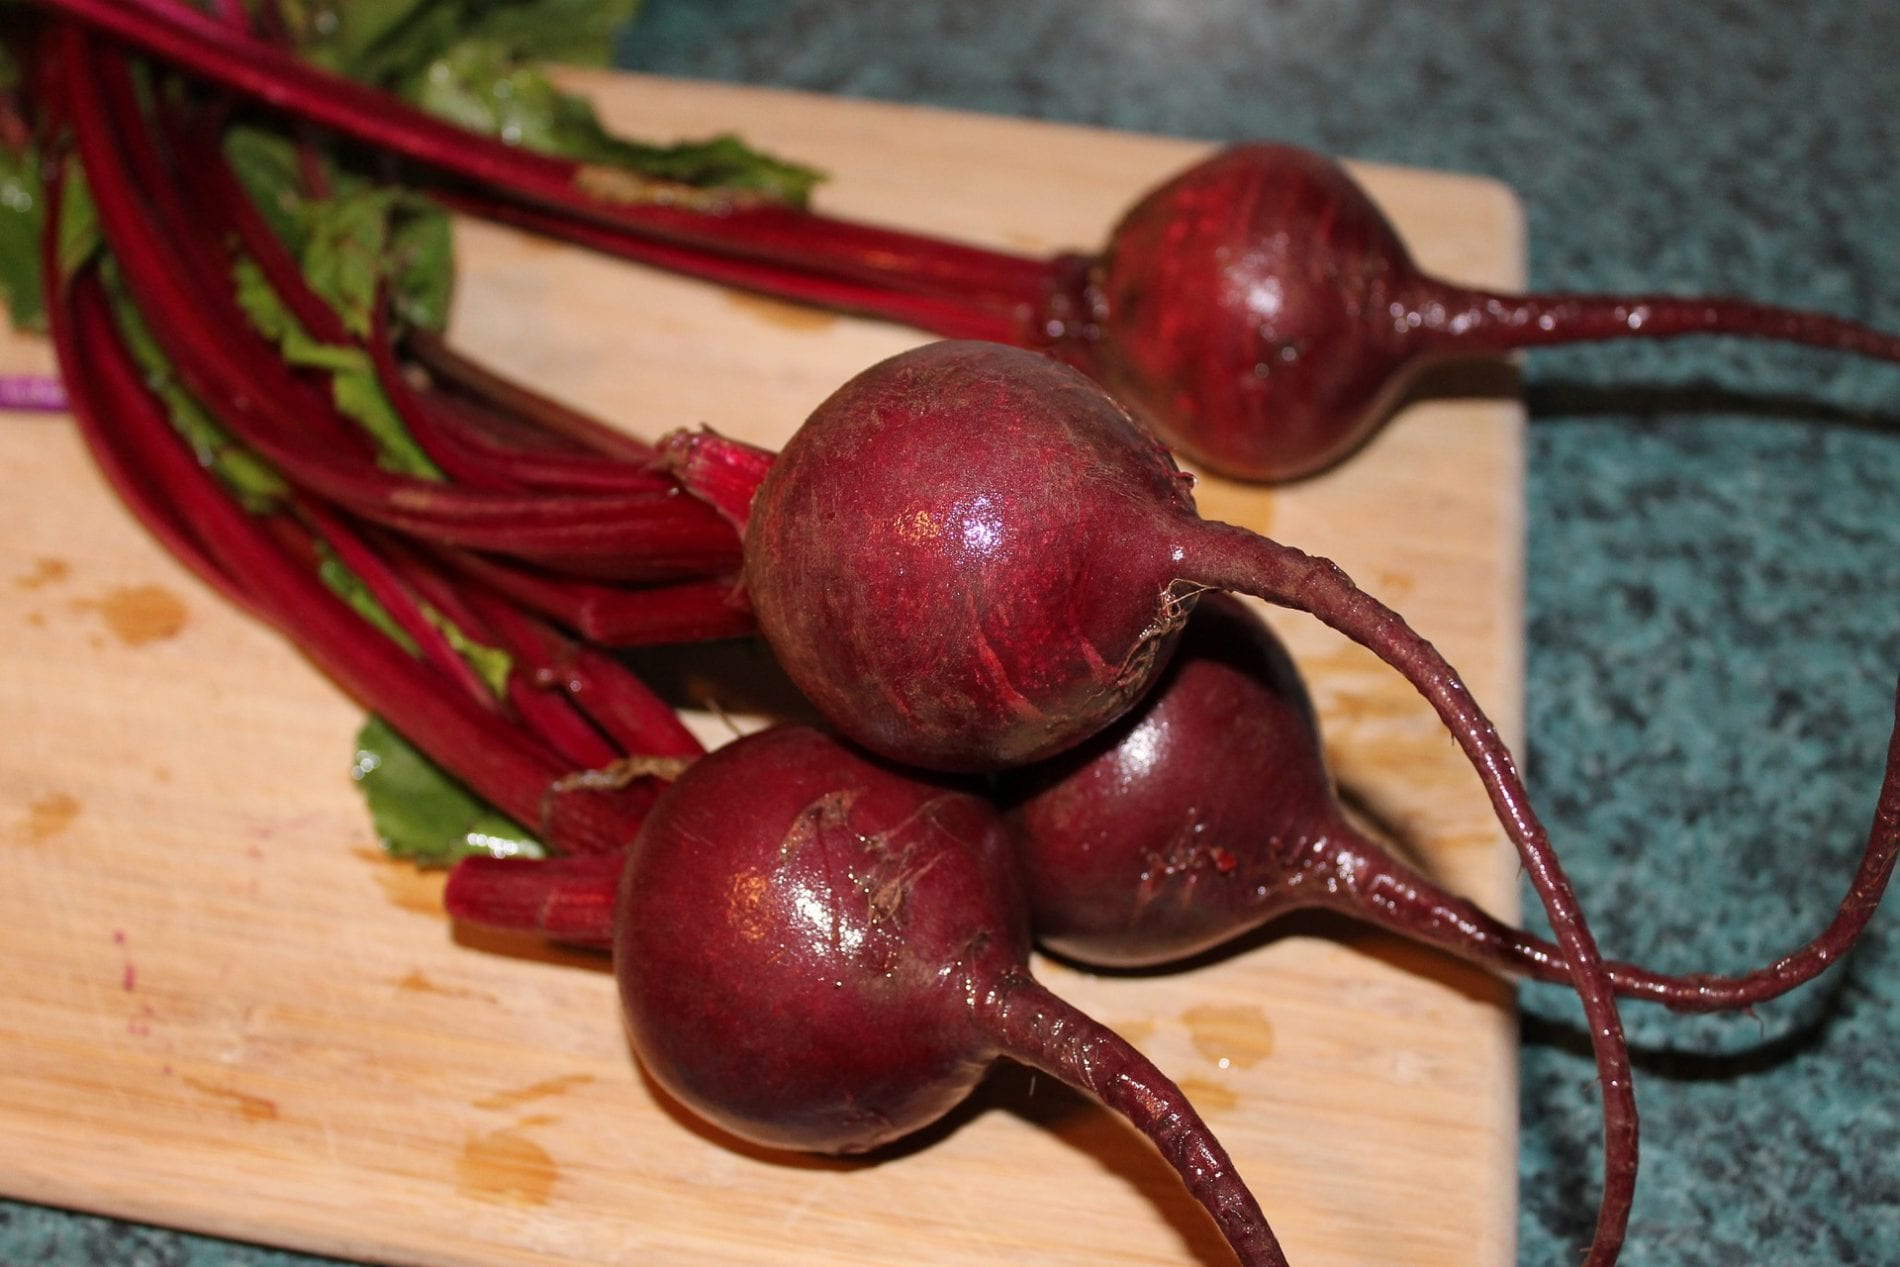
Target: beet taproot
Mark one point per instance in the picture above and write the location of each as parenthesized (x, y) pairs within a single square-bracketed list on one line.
[(818, 951)]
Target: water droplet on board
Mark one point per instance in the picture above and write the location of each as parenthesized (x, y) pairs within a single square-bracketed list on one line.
[(505, 1166), (1209, 1098), (535, 1091), (50, 815), (408, 886), (45, 572), (139, 614), (1231, 1037)]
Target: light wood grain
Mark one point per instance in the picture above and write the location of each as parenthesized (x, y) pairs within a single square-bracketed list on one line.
[(220, 1009)]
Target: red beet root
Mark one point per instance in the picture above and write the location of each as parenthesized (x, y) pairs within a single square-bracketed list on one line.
[(816, 951), (1262, 314), (970, 556), (1209, 811)]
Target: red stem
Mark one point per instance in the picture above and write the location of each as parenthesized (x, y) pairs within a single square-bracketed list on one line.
[(630, 536), (722, 472), (464, 439), (901, 261), (395, 598), (450, 368), (1033, 1026), (507, 448), (818, 278), (474, 745), (1478, 323), (151, 502), (1395, 897), (40, 393), (219, 197), (644, 725), (110, 131), (551, 719), (563, 899), (1234, 559), (468, 465), (620, 616)]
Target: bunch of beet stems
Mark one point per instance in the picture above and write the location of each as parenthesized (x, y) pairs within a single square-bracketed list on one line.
[(575, 747), (946, 288), (567, 516)]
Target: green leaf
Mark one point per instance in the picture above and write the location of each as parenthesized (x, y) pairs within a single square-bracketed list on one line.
[(485, 86), (365, 239), (343, 246), (581, 32), (22, 221), (79, 237), (475, 62), (266, 165), (722, 162), (420, 261), (253, 481), (388, 42), (491, 664), (348, 586), (345, 37), (359, 395), (354, 387), (422, 814)]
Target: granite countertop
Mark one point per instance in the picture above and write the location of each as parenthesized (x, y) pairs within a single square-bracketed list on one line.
[(1714, 552)]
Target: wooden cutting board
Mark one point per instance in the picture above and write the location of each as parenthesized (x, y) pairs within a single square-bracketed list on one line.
[(221, 1009)]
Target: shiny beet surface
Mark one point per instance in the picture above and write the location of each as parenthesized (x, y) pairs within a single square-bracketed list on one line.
[(799, 940), (958, 557), (819, 951), (1253, 311), (1204, 812)]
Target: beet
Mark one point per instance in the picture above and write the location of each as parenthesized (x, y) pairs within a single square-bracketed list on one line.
[(1263, 315), (817, 951), (1209, 812), (970, 556)]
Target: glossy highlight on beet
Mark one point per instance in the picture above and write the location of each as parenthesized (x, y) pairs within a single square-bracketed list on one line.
[(818, 951)]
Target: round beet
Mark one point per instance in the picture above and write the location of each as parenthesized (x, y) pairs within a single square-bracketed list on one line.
[(1204, 812), (1262, 314), (819, 951), (1253, 311), (1209, 811), (930, 554)]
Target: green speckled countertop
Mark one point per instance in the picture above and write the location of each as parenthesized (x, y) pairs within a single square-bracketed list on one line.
[(1714, 586)]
